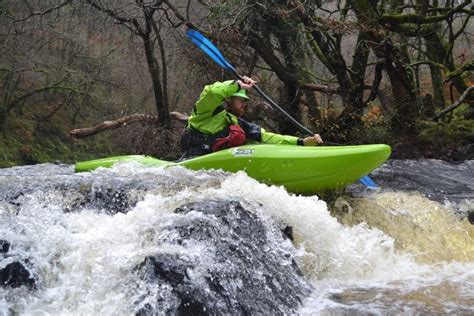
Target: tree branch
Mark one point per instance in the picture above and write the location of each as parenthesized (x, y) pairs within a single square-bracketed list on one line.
[(318, 87), (53, 111), (463, 26), (453, 106), (418, 18), (179, 16), (467, 66), (12, 104), (41, 13), (122, 20), (427, 62)]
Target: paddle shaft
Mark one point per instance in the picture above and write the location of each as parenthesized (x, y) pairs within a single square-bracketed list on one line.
[(275, 105), (212, 51)]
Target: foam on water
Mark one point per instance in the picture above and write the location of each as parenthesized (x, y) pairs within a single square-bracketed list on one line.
[(85, 260), (427, 229), (438, 289), (328, 248)]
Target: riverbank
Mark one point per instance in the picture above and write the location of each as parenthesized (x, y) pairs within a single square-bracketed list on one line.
[(451, 142)]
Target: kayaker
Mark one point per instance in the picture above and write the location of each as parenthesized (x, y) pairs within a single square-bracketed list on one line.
[(212, 127)]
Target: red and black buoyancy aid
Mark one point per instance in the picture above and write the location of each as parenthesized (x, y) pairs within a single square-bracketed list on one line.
[(195, 143)]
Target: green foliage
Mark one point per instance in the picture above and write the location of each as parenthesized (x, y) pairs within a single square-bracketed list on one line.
[(3, 8), (370, 134), (26, 141), (463, 110), (2, 117), (450, 135)]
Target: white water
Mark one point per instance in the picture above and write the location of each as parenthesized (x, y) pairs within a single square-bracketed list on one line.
[(84, 260)]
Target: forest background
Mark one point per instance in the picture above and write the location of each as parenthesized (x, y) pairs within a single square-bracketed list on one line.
[(83, 79)]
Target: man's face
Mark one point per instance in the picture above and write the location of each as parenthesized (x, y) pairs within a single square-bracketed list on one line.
[(237, 106)]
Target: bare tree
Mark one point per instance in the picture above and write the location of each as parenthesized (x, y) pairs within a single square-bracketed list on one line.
[(140, 20)]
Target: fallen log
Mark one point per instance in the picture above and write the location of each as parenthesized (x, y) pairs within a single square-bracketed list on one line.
[(135, 118), (129, 119)]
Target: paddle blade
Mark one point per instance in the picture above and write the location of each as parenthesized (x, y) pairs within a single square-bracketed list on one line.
[(368, 182), (210, 49)]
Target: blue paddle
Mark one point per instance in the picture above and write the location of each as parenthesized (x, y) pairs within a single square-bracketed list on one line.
[(212, 51)]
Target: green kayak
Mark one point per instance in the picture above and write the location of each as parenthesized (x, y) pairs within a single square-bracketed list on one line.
[(300, 169)]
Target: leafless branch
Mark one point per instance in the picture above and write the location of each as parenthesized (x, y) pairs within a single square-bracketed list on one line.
[(53, 111), (453, 106), (179, 16), (318, 87), (41, 13), (420, 19), (131, 23), (12, 104)]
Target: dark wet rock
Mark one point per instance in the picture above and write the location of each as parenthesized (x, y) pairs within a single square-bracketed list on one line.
[(470, 217), (114, 201), (105, 200), (4, 246), (438, 180), (244, 269), (109, 193), (288, 232), (105, 196), (15, 275), (79, 191)]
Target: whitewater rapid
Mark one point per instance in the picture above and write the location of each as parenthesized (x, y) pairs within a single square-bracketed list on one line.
[(81, 236)]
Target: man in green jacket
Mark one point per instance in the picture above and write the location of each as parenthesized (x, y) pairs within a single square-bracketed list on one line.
[(211, 127)]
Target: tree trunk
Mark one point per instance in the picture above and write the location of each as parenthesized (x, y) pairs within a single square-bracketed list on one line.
[(154, 69), (163, 64), (263, 46), (313, 111), (402, 87), (437, 83), (2, 118), (437, 51), (354, 103)]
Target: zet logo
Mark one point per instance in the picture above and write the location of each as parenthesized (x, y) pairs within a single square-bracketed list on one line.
[(238, 152)]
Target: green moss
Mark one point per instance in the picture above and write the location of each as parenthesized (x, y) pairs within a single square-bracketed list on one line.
[(26, 141), (447, 135)]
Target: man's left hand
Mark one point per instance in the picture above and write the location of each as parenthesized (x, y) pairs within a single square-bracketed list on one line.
[(313, 140)]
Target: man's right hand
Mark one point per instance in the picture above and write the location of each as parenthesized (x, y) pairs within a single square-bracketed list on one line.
[(247, 83)]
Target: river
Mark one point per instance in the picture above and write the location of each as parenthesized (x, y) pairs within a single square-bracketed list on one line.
[(134, 239)]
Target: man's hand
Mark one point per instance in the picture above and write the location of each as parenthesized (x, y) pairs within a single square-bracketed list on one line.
[(247, 83), (313, 140)]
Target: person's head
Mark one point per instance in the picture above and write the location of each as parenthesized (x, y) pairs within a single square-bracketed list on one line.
[(238, 103)]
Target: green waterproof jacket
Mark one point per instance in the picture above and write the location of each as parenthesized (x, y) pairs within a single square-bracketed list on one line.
[(209, 117)]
